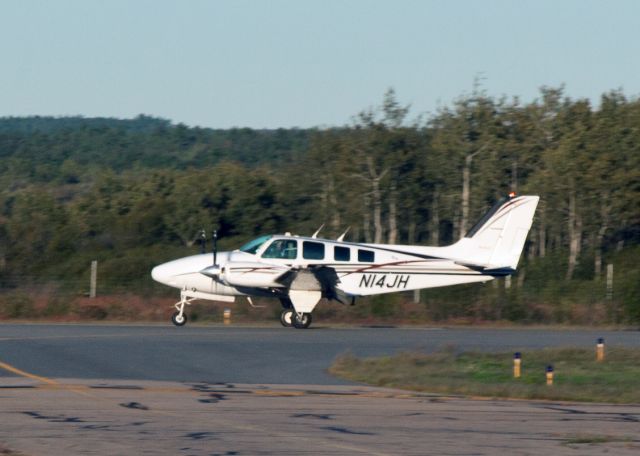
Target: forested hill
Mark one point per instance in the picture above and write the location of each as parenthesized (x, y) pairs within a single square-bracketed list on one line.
[(36, 147), (50, 124), (134, 193)]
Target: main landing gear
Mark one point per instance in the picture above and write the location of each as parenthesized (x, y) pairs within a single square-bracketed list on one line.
[(290, 318), (286, 318), (299, 320)]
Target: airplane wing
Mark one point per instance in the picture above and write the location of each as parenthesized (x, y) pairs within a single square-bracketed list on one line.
[(314, 279), (329, 280)]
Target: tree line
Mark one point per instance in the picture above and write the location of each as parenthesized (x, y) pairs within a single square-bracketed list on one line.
[(133, 193)]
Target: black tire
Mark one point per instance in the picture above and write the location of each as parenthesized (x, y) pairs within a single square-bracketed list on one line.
[(286, 318), (303, 323), (175, 321)]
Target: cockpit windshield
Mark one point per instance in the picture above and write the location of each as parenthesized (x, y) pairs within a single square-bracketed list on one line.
[(253, 246)]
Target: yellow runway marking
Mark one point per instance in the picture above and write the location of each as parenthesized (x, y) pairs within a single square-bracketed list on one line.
[(22, 373), (47, 381)]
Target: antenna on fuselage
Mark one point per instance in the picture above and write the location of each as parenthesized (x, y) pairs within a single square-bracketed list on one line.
[(315, 235), (203, 241), (341, 237), (214, 240)]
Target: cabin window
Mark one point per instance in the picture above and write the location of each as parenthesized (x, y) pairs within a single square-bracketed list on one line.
[(282, 248), (366, 256), (341, 253), (312, 250)]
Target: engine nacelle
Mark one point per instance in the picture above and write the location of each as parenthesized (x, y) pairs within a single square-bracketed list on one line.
[(251, 274)]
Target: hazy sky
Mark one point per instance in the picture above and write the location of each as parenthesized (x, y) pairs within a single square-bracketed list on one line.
[(286, 63)]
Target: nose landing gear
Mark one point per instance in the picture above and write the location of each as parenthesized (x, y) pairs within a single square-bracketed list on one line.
[(179, 318)]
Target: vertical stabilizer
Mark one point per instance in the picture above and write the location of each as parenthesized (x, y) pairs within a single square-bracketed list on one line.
[(497, 240)]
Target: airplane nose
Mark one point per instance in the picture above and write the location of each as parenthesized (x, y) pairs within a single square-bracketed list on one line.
[(160, 274)]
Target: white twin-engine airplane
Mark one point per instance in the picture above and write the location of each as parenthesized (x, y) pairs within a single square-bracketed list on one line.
[(302, 270)]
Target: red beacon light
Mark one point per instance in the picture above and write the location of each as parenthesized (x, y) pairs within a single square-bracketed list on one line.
[(512, 194)]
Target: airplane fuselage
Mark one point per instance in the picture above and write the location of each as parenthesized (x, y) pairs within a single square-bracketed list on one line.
[(381, 269), (301, 270)]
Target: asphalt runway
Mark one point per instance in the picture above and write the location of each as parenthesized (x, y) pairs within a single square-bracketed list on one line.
[(125, 389), (270, 355)]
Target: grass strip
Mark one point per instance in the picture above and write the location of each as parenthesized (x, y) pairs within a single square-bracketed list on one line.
[(577, 377)]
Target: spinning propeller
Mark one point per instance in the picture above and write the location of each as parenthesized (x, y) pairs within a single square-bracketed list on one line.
[(214, 270)]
